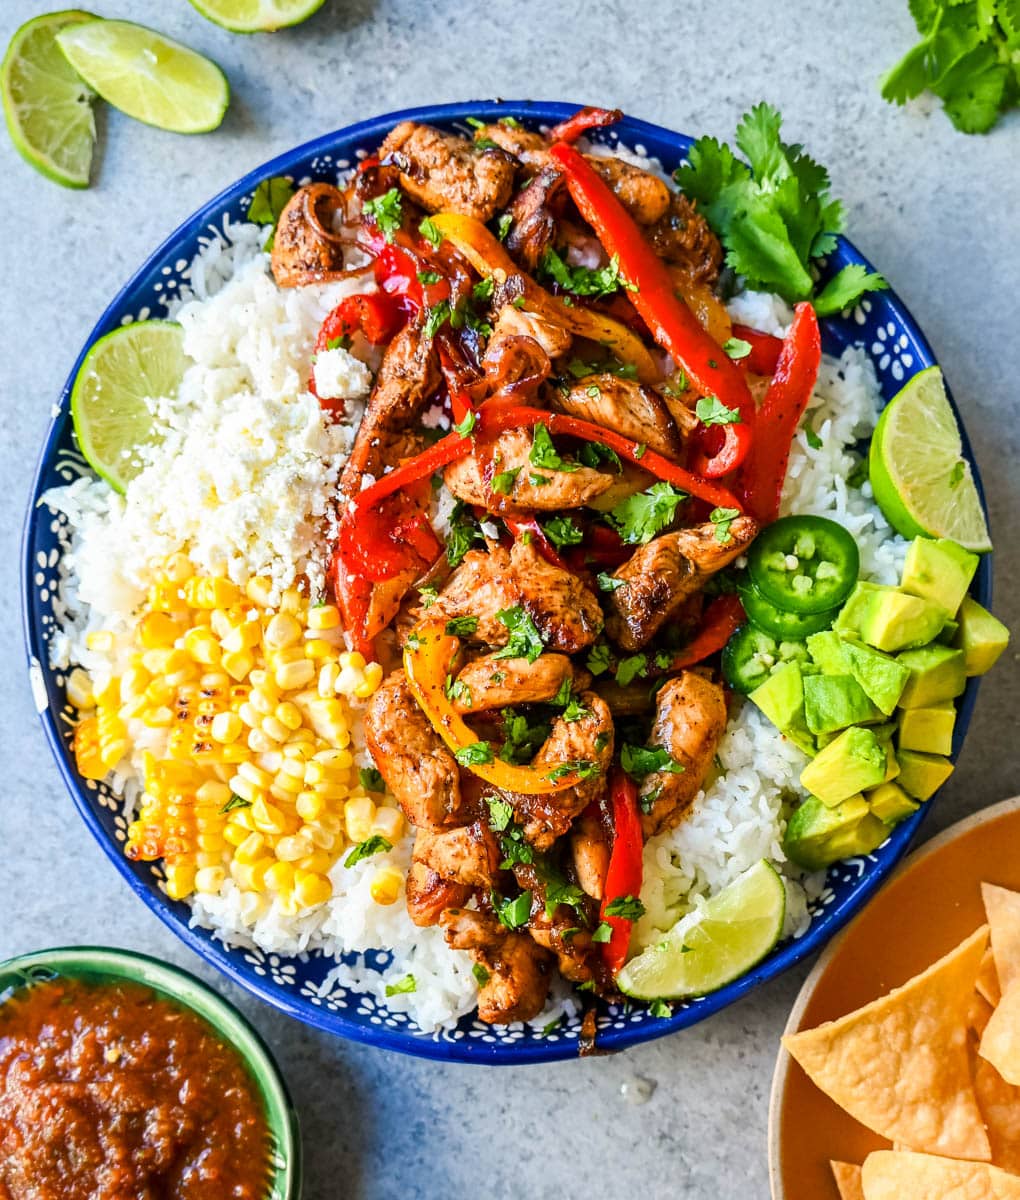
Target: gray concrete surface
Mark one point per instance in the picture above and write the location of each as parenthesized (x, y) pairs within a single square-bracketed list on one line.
[(934, 209)]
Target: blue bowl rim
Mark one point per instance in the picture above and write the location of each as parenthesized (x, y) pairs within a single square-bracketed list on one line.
[(527, 1050)]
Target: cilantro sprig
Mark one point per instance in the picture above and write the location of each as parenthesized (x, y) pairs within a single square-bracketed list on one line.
[(641, 516)]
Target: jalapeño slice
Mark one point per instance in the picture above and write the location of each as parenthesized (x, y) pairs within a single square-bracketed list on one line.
[(804, 564), (751, 655), (781, 623)]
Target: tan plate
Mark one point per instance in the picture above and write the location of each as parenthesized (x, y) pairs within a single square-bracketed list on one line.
[(929, 906)]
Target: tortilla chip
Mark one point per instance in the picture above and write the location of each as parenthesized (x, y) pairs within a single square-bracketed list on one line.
[(979, 1013), (1000, 1104), (988, 979), (1000, 1042), (889, 1175), (848, 1180), (899, 1065), (1003, 909)]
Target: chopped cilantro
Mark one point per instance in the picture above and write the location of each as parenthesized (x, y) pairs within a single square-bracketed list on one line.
[(737, 347), (502, 229), (562, 531), (575, 710), (525, 639), (603, 932), (376, 844), (521, 738), (593, 454), (609, 583), (436, 317), (601, 742), (430, 232), (483, 289), (414, 641), (429, 277), (722, 519), (710, 410), (858, 475), (234, 802), (583, 281), (428, 596), (628, 908), (599, 658), (646, 800), (813, 440), (465, 427), (512, 913), (480, 974), (641, 516), (558, 890), (385, 210), (371, 779), (544, 454), (640, 450), (555, 1023), (579, 368), (475, 754), (461, 626), (639, 761), (503, 483), (510, 122), (628, 669), (343, 342), (501, 813), (679, 384), (565, 693), (402, 987), (956, 474), (458, 691), (464, 532), (659, 1008), (474, 122), (583, 768), (538, 480)]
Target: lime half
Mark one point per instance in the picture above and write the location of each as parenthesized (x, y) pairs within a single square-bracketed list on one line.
[(920, 478), (121, 372), (735, 929), (257, 16), (47, 105), (148, 76)]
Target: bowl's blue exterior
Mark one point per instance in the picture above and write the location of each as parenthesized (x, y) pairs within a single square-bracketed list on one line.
[(898, 349)]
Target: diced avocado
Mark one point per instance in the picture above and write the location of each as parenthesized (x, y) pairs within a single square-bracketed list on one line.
[(853, 762), (890, 803), (813, 826), (836, 702), (948, 632), (882, 678), (856, 607), (938, 570), (936, 674), (982, 637), (898, 621), (866, 836), (781, 699), (921, 775), (892, 764), (928, 729), (826, 650)]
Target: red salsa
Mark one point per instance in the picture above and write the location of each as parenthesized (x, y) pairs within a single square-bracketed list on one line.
[(110, 1091)]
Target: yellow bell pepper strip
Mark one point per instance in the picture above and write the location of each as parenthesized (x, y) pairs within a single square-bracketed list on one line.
[(429, 655), (489, 257), (651, 290)]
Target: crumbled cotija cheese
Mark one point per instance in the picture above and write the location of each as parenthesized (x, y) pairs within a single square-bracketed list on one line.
[(341, 376)]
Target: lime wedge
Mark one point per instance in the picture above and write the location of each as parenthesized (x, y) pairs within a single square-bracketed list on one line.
[(47, 105), (257, 16), (148, 76), (736, 928), (918, 473), (108, 402)]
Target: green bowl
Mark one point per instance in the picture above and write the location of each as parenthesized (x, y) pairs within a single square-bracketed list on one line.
[(100, 962)]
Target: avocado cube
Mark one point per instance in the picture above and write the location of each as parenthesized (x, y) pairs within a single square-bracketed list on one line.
[(826, 650), (856, 608), (836, 702), (928, 729), (882, 678), (898, 621), (948, 632), (938, 570), (813, 826), (852, 762), (982, 637), (892, 764), (867, 835), (781, 699), (891, 804), (921, 775), (936, 674)]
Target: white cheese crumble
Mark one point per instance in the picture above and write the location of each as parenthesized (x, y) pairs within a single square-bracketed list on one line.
[(341, 376)]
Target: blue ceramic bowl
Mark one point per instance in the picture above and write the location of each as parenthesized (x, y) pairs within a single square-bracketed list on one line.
[(881, 323)]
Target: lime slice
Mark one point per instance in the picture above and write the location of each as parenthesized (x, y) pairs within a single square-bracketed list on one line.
[(257, 16), (108, 403), (47, 105), (736, 928), (148, 76), (918, 473)]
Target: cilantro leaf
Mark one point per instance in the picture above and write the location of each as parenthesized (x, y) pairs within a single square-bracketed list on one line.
[(627, 908), (544, 454), (628, 669), (464, 532), (593, 454), (641, 516), (521, 738), (503, 483), (480, 974), (475, 754), (722, 519), (583, 281), (562, 531), (430, 232), (710, 410), (583, 768), (609, 583), (386, 212), (813, 440), (501, 813), (603, 932), (376, 844), (234, 802), (599, 658), (846, 287), (371, 779), (461, 626), (639, 761), (435, 318), (660, 1008), (512, 913), (525, 639), (737, 347)]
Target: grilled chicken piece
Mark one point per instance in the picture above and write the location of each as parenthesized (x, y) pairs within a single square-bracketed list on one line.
[(511, 452), (307, 248), (444, 171), (467, 855), (428, 895), (534, 223), (492, 682), (626, 407), (531, 149), (412, 758), (567, 614), (681, 235), (407, 376), (690, 719), (644, 195), (660, 576), (518, 969), (516, 322), (590, 850), (573, 951)]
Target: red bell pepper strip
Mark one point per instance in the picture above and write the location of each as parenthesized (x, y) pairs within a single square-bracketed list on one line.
[(722, 619), (374, 314), (765, 350), (787, 397), (583, 120), (530, 526), (720, 449), (670, 322), (623, 877)]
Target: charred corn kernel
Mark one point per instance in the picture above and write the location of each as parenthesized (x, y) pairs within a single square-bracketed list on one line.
[(389, 823), (291, 847), (316, 649), (292, 602), (283, 630), (180, 880), (275, 729), (311, 888), (79, 689), (99, 639), (328, 675), (385, 886), (323, 616), (254, 775), (238, 665), (292, 675), (258, 742), (352, 659), (359, 814), (209, 880), (280, 876), (259, 589), (244, 636), (250, 849), (267, 817), (226, 727), (211, 593), (310, 805), (157, 630), (202, 645), (288, 714)]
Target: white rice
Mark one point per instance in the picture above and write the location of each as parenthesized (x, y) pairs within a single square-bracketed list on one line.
[(246, 425)]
